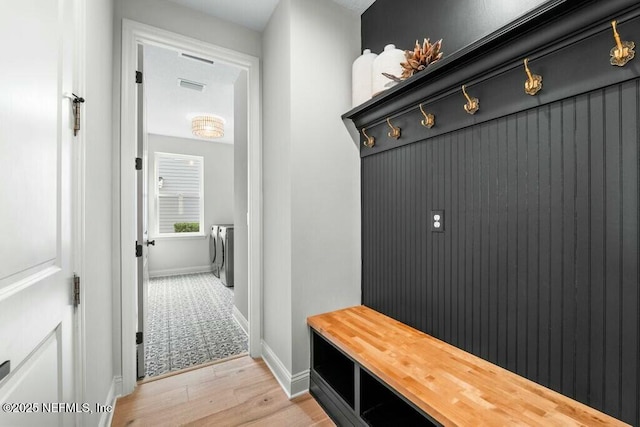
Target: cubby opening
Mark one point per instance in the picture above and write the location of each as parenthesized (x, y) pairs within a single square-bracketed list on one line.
[(379, 406), (335, 368)]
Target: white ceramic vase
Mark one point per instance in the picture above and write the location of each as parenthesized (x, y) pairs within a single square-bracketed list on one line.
[(387, 62), (361, 73)]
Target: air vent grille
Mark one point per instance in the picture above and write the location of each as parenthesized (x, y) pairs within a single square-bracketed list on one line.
[(197, 58), (188, 84)]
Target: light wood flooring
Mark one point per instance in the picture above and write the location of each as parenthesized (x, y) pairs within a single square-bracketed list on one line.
[(238, 392)]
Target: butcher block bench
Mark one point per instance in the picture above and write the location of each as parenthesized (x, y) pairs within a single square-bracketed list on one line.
[(369, 369)]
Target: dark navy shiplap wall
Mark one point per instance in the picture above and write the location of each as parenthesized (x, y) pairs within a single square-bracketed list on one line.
[(537, 270)]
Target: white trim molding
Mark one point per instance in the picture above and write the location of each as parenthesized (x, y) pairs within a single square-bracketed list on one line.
[(114, 392), (299, 383), (134, 34), (240, 320), (182, 270), (293, 385)]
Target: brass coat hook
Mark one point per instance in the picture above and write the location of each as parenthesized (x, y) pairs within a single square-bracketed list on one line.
[(473, 104), (429, 119), (534, 83), (395, 131), (370, 141), (623, 51)]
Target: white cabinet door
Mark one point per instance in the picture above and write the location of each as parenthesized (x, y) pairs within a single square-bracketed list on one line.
[(37, 68)]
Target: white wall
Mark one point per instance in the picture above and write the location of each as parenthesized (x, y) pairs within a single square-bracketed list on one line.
[(325, 173), (189, 254), (98, 280), (276, 163), (311, 175), (173, 17), (168, 16), (240, 196)]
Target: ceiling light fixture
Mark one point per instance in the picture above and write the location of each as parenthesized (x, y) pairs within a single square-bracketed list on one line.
[(207, 126)]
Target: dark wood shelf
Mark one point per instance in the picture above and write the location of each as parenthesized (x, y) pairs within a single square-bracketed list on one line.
[(493, 72)]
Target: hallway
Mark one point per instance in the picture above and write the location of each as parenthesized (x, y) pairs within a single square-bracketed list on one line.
[(190, 323), (241, 391)]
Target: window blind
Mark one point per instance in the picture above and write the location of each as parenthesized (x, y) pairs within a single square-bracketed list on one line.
[(179, 198)]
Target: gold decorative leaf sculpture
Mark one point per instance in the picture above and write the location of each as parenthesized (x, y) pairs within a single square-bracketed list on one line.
[(418, 59)]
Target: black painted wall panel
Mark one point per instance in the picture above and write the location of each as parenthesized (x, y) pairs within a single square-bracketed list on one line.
[(630, 248), (537, 270), (459, 22)]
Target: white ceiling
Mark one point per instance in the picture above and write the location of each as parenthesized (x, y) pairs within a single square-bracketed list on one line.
[(358, 6), (169, 106), (254, 14)]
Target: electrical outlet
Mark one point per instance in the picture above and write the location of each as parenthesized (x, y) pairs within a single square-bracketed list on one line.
[(437, 221)]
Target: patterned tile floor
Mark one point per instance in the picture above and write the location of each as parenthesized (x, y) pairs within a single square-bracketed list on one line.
[(189, 323)]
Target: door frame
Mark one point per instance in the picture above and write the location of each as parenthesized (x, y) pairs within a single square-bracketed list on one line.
[(134, 33), (78, 208)]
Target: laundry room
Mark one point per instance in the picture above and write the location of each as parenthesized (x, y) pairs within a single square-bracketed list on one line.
[(191, 128)]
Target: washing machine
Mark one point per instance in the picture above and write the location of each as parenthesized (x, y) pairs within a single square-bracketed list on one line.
[(221, 252), (225, 237), (213, 249)]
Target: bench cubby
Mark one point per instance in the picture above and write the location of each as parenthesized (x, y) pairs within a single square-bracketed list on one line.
[(335, 368), (368, 369), (380, 406)]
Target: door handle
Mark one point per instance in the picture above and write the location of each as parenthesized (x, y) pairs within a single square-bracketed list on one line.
[(151, 242)]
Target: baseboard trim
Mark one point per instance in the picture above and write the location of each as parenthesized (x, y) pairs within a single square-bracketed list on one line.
[(240, 320), (300, 383), (182, 270), (293, 385), (114, 391)]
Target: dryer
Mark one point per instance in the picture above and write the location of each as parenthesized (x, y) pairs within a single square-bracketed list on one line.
[(221, 252), (225, 236), (213, 249)]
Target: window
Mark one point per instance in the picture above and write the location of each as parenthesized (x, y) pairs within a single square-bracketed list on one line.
[(179, 194)]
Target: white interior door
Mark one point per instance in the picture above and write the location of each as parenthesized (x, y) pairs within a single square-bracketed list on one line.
[(36, 276), (142, 191)]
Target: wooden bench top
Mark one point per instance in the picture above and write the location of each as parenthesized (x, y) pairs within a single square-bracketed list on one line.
[(455, 387)]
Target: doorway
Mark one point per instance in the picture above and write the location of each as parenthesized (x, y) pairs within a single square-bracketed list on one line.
[(135, 35), (191, 154)]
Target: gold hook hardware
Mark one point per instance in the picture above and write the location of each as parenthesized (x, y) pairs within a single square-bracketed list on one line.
[(623, 51), (534, 83), (370, 142), (473, 104), (429, 119), (395, 131)]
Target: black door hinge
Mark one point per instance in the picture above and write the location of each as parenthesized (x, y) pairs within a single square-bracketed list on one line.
[(138, 77), (76, 290), (138, 250), (5, 369), (138, 164), (139, 338)]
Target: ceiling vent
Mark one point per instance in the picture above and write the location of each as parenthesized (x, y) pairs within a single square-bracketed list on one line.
[(196, 58), (188, 84)]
